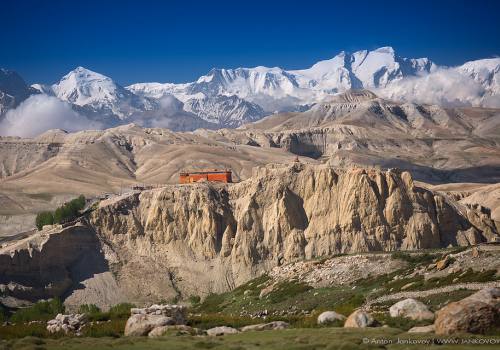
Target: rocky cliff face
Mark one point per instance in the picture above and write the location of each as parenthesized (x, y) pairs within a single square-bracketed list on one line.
[(201, 238), (212, 238)]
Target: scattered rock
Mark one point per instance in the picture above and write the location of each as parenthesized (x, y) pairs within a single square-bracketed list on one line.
[(217, 331), (72, 323), (442, 264), (411, 308), (144, 320), (142, 324), (489, 296), (330, 316), (265, 291), (422, 329), (475, 314), (275, 325), (182, 329), (408, 285), (475, 252), (359, 319), (177, 312)]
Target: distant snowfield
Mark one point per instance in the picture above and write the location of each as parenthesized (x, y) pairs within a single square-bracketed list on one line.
[(232, 97)]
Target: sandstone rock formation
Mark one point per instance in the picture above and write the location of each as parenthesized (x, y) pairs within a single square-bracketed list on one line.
[(477, 313), (181, 240), (411, 308)]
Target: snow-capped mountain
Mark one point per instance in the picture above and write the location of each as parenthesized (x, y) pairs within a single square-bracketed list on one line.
[(363, 70), (13, 90), (85, 88), (225, 111), (485, 72), (232, 97), (276, 89)]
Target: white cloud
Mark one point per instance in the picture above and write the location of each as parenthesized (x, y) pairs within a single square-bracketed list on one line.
[(445, 87), (40, 113)]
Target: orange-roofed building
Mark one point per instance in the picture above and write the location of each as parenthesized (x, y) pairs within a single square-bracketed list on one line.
[(209, 175)]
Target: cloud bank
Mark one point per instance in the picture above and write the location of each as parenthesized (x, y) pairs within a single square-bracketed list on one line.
[(40, 113), (446, 87)]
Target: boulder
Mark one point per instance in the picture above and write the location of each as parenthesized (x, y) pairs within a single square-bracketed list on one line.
[(182, 329), (71, 323), (443, 263), (216, 331), (329, 317), (490, 296), (142, 324), (411, 308), (475, 314), (359, 319), (177, 312), (275, 325), (422, 329)]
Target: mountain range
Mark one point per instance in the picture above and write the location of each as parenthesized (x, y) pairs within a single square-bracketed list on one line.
[(228, 98)]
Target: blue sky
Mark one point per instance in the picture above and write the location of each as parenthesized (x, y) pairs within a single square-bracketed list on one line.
[(177, 41)]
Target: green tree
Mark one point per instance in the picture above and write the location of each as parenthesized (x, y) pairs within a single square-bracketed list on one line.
[(44, 218)]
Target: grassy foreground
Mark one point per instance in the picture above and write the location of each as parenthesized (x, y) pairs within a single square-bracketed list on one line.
[(292, 339)]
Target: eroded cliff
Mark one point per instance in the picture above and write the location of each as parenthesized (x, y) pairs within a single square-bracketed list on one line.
[(182, 240), (205, 238)]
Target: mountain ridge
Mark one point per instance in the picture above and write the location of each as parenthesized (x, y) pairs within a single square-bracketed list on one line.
[(233, 97)]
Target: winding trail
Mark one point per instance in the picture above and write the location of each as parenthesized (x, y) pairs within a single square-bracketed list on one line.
[(425, 293)]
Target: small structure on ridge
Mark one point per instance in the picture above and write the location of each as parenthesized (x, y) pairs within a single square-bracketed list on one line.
[(215, 175)]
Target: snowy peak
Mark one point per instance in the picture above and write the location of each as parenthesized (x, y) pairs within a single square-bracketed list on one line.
[(82, 86), (85, 88), (363, 69), (485, 72)]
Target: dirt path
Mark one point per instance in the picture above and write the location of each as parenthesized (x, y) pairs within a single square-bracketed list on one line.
[(424, 293)]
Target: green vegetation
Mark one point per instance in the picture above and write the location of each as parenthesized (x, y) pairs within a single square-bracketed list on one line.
[(41, 311), (415, 259), (285, 290), (114, 328), (117, 312), (4, 315), (44, 218), (194, 300), (292, 339), (399, 322), (64, 213)]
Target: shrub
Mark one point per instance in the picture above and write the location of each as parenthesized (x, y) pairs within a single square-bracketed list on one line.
[(44, 218), (22, 330), (424, 258), (93, 312), (64, 213), (400, 322), (194, 300), (113, 328), (41, 311), (210, 320), (120, 311), (212, 303)]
